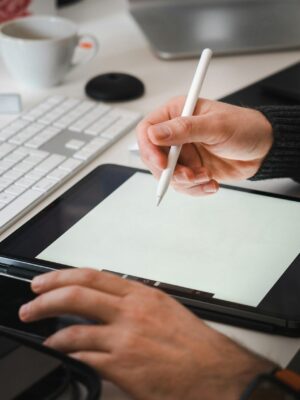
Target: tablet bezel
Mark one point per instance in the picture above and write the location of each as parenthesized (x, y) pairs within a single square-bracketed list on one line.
[(206, 307)]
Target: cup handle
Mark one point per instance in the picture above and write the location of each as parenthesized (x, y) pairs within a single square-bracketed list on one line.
[(89, 43)]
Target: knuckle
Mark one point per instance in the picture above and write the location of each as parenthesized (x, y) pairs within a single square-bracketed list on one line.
[(158, 296), (184, 126), (221, 128), (174, 106), (141, 129), (176, 100), (89, 275), (127, 344), (72, 294), (55, 276), (73, 334)]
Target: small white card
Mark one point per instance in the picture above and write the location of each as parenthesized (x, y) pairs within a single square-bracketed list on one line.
[(10, 103)]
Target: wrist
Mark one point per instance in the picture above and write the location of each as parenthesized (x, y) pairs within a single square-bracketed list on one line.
[(245, 366), (280, 385), (265, 135), (255, 366), (230, 371)]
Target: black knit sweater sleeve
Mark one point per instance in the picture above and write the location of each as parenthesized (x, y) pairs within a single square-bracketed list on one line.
[(283, 159)]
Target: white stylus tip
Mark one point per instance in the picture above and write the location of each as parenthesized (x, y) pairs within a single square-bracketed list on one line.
[(158, 200)]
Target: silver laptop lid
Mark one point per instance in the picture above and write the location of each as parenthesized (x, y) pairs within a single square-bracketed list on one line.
[(179, 29)]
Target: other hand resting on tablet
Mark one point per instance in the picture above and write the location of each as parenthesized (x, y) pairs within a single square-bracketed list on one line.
[(147, 343)]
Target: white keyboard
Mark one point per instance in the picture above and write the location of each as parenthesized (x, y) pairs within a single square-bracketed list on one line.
[(48, 144)]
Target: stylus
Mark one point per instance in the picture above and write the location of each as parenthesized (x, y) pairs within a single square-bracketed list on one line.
[(187, 111)]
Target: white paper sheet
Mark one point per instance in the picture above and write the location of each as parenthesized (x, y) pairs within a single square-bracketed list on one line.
[(233, 244)]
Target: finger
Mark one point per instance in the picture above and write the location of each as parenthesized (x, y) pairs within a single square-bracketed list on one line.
[(87, 277), (76, 300), (81, 338), (101, 362), (190, 171), (181, 182), (205, 189), (149, 152), (181, 130), (190, 157)]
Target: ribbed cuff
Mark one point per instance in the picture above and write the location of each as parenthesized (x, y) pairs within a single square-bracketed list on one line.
[(283, 160)]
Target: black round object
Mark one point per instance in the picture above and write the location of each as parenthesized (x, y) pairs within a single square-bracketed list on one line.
[(114, 86)]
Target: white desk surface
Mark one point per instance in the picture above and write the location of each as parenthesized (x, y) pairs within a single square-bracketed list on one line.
[(124, 48)]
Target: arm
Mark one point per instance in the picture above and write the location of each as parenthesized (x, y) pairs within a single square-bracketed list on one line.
[(283, 159)]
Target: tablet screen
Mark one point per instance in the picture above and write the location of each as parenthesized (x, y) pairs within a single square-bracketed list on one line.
[(233, 245)]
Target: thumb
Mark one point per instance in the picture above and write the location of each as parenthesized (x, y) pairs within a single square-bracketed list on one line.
[(183, 130)]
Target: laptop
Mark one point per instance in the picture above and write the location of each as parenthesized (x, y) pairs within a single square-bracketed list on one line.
[(181, 29)]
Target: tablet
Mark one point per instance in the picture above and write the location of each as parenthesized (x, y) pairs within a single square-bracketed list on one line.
[(232, 257)]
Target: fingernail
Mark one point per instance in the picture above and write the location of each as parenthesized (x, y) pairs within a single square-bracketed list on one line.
[(162, 131), (181, 177), (24, 312), (37, 282), (210, 187), (201, 178), (47, 342)]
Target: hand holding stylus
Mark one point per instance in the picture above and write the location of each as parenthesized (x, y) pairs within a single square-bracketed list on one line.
[(187, 111), (220, 143)]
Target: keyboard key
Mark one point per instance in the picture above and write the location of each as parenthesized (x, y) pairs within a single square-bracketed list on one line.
[(38, 153), (70, 164), (6, 197), (18, 139), (4, 183), (15, 157), (44, 185), (35, 143), (23, 167), (74, 115), (115, 131), (15, 190), (93, 148), (42, 108), (42, 137), (6, 148), (58, 174), (25, 182), (89, 118), (50, 163), (101, 124), (12, 128), (6, 165), (74, 144), (6, 134), (18, 206), (35, 175), (33, 160), (13, 174), (22, 150), (58, 111)]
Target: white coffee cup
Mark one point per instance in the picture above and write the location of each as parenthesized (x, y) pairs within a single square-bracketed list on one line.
[(38, 51)]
